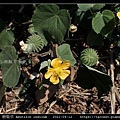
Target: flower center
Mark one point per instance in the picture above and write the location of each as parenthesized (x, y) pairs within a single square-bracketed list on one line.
[(58, 70)]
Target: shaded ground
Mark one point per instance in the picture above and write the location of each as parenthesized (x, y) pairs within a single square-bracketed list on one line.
[(69, 99)]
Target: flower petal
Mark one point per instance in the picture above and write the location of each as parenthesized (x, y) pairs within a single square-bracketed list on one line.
[(118, 15), (49, 73), (21, 43), (54, 79), (65, 65), (56, 62), (64, 74)]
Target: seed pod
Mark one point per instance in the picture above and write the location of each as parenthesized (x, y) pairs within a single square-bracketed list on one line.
[(34, 43), (73, 28), (89, 57)]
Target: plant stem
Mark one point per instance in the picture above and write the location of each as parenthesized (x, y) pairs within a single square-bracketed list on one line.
[(21, 9), (112, 92)]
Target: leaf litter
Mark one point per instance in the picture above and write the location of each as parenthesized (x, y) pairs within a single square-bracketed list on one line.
[(70, 98)]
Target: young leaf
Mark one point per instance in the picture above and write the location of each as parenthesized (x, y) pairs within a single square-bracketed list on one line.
[(6, 38), (65, 53), (45, 64), (10, 66), (88, 77), (48, 17)]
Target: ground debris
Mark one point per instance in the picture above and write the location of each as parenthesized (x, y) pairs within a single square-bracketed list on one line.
[(70, 98)]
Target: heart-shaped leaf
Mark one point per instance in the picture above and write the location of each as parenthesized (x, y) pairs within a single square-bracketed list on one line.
[(48, 18), (104, 22), (88, 77), (64, 52), (10, 66), (6, 38)]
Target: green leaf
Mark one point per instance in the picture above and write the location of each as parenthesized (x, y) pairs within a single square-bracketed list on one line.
[(11, 74), (94, 39), (97, 6), (84, 7), (10, 66), (45, 64), (48, 18), (65, 53), (103, 23), (9, 54), (6, 38), (88, 77)]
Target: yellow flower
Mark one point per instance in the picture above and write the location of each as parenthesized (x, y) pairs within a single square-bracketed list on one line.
[(59, 70), (118, 15)]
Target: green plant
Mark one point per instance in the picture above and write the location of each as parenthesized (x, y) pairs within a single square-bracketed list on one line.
[(89, 57), (34, 43), (48, 36)]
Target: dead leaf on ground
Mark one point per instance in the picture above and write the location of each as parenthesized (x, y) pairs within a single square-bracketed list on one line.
[(45, 93)]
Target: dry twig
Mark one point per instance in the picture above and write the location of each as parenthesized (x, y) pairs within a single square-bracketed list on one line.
[(112, 92)]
